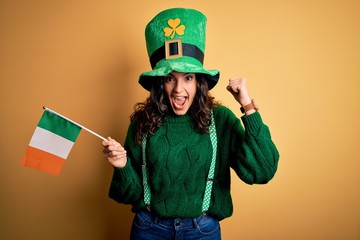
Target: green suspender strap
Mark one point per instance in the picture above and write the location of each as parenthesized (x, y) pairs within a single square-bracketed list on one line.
[(147, 192), (209, 181)]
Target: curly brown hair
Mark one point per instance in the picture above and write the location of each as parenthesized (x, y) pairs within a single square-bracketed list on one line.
[(149, 115)]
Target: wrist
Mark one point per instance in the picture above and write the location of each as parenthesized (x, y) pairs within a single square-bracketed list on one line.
[(250, 112), (244, 102), (249, 108)]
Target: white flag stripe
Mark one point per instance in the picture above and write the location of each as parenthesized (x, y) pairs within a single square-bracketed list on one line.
[(50, 142)]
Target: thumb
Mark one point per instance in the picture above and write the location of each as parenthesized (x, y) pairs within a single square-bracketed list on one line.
[(229, 88)]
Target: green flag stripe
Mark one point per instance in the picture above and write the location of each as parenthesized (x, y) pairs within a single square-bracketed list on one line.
[(58, 125)]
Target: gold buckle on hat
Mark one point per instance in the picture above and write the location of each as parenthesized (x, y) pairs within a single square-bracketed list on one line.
[(169, 44)]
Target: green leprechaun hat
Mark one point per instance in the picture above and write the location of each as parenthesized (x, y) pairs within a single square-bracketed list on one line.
[(175, 41)]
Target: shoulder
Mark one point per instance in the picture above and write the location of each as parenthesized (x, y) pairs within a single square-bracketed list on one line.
[(224, 114), (222, 111), (227, 123)]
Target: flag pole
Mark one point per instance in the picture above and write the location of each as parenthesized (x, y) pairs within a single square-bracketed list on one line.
[(86, 129)]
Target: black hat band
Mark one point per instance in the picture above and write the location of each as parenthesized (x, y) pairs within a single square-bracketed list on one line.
[(175, 49)]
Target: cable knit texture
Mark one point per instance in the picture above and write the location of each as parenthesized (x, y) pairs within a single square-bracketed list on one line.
[(179, 158)]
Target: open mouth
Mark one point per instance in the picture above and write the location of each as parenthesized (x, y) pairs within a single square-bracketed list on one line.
[(179, 102)]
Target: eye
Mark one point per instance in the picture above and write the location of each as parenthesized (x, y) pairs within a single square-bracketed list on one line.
[(189, 77), (168, 79)]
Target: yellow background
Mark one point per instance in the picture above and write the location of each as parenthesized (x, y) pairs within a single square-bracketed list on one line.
[(83, 59)]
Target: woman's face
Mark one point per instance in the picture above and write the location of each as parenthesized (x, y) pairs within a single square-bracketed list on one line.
[(180, 88)]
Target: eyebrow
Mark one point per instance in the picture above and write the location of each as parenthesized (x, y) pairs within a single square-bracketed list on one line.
[(184, 74)]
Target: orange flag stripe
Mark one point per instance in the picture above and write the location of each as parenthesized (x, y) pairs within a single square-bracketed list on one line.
[(42, 160)]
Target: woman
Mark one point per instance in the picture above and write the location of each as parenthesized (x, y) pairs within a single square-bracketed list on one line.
[(174, 168)]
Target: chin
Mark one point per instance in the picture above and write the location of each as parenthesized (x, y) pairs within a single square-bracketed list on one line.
[(180, 112)]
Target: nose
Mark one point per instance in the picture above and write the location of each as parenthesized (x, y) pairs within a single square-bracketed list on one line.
[(178, 85)]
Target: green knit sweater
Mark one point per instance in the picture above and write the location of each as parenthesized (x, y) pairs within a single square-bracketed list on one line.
[(178, 160)]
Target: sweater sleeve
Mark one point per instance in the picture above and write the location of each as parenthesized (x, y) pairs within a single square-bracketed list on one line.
[(126, 185), (251, 151)]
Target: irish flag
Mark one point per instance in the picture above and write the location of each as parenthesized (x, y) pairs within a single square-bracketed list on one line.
[(51, 143)]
